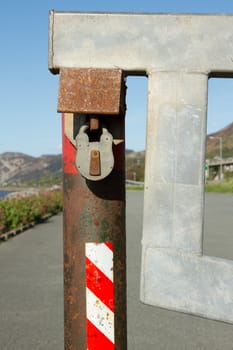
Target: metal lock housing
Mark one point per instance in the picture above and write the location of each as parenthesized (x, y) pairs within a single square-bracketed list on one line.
[(94, 160)]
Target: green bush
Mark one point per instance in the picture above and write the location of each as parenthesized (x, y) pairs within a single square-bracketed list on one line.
[(16, 212)]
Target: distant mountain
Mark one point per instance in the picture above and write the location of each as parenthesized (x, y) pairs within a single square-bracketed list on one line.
[(135, 161), (19, 168), (213, 143)]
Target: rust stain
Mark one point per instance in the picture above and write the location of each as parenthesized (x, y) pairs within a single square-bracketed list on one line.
[(76, 316), (94, 123)]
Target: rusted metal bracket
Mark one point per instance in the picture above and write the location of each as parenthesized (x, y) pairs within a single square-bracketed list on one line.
[(91, 91)]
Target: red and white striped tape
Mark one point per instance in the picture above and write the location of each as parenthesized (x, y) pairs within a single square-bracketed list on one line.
[(100, 296)]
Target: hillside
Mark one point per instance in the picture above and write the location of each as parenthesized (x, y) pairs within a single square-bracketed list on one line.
[(135, 161), (22, 169), (213, 143)]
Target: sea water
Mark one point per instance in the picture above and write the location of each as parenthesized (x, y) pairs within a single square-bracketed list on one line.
[(4, 194)]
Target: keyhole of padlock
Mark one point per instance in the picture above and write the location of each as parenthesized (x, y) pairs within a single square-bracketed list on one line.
[(95, 164)]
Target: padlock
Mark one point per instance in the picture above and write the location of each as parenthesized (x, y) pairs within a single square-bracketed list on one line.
[(94, 160)]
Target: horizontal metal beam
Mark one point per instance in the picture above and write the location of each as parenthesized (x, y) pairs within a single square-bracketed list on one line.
[(141, 42)]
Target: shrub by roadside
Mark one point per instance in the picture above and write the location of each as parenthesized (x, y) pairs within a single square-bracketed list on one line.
[(20, 211)]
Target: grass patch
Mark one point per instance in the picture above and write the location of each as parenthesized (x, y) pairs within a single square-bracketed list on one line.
[(134, 188), (225, 186)]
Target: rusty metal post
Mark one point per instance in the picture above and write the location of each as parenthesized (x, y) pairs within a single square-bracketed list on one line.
[(94, 211)]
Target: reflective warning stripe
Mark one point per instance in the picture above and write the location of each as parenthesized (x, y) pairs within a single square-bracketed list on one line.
[(96, 339), (99, 296), (101, 255), (103, 290)]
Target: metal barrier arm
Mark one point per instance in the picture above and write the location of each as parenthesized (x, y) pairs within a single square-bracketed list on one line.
[(141, 43), (178, 53)]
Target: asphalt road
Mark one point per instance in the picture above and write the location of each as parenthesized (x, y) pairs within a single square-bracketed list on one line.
[(31, 301)]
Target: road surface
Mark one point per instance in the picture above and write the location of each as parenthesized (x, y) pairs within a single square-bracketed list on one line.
[(31, 301)]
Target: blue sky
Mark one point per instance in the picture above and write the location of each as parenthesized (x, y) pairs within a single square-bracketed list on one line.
[(28, 91)]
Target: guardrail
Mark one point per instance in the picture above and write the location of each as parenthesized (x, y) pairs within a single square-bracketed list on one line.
[(218, 161), (136, 183)]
